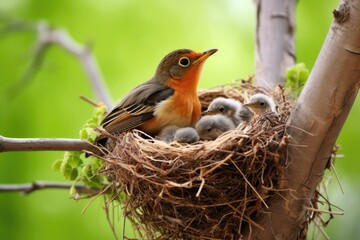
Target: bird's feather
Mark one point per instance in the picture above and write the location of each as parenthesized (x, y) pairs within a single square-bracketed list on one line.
[(137, 107)]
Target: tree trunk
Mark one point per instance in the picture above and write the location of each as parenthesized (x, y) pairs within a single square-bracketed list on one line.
[(320, 112), (275, 44)]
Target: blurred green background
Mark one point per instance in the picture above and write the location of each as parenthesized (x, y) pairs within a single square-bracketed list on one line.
[(129, 38)]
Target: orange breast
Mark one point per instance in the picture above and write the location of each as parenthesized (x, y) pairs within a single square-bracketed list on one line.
[(180, 110)]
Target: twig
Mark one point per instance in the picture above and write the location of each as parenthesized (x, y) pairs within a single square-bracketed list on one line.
[(28, 188), (324, 211), (93, 103), (48, 36), (337, 177), (251, 186), (124, 223), (46, 144), (109, 220), (102, 191), (322, 231)]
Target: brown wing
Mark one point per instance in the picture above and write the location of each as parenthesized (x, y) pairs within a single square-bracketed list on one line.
[(136, 107)]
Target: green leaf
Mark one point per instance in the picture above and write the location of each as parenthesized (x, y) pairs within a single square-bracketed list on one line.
[(88, 133), (56, 165), (66, 170), (100, 112), (96, 165), (67, 155), (72, 166), (87, 171), (91, 183), (73, 174), (73, 158), (296, 76), (83, 134)]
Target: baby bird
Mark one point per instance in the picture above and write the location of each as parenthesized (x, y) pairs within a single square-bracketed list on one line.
[(230, 108), (209, 127), (227, 107), (186, 135), (167, 133), (260, 103)]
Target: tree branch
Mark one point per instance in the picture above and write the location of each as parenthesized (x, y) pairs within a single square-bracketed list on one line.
[(61, 37), (321, 110), (28, 188), (46, 38), (45, 144), (275, 41)]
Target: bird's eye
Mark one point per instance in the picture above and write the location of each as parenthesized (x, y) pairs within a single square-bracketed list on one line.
[(184, 62), (208, 129), (221, 109), (262, 103)]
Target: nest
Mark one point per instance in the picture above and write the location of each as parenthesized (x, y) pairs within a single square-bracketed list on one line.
[(204, 190)]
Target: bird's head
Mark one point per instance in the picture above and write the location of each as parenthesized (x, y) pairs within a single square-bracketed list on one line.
[(260, 103), (211, 126), (225, 106), (181, 68)]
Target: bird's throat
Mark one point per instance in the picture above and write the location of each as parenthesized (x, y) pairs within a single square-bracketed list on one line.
[(188, 82)]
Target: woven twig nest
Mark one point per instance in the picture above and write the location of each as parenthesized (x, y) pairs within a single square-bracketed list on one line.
[(204, 190)]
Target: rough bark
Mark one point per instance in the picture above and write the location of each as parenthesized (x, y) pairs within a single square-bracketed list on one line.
[(275, 44), (320, 112)]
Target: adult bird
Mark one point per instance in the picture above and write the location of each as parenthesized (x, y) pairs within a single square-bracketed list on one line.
[(168, 98), (260, 103)]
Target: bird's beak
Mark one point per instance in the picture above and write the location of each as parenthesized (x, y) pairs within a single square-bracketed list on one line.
[(207, 113), (250, 105), (205, 55), (253, 107)]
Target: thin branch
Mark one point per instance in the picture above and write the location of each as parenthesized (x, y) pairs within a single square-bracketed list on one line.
[(28, 188), (47, 37), (88, 61), (324, 211), (46, 144), (91, 102)]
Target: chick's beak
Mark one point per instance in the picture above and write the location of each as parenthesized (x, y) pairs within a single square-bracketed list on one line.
[(253, 107), (250, 105), (205, 55), (207, 113)]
